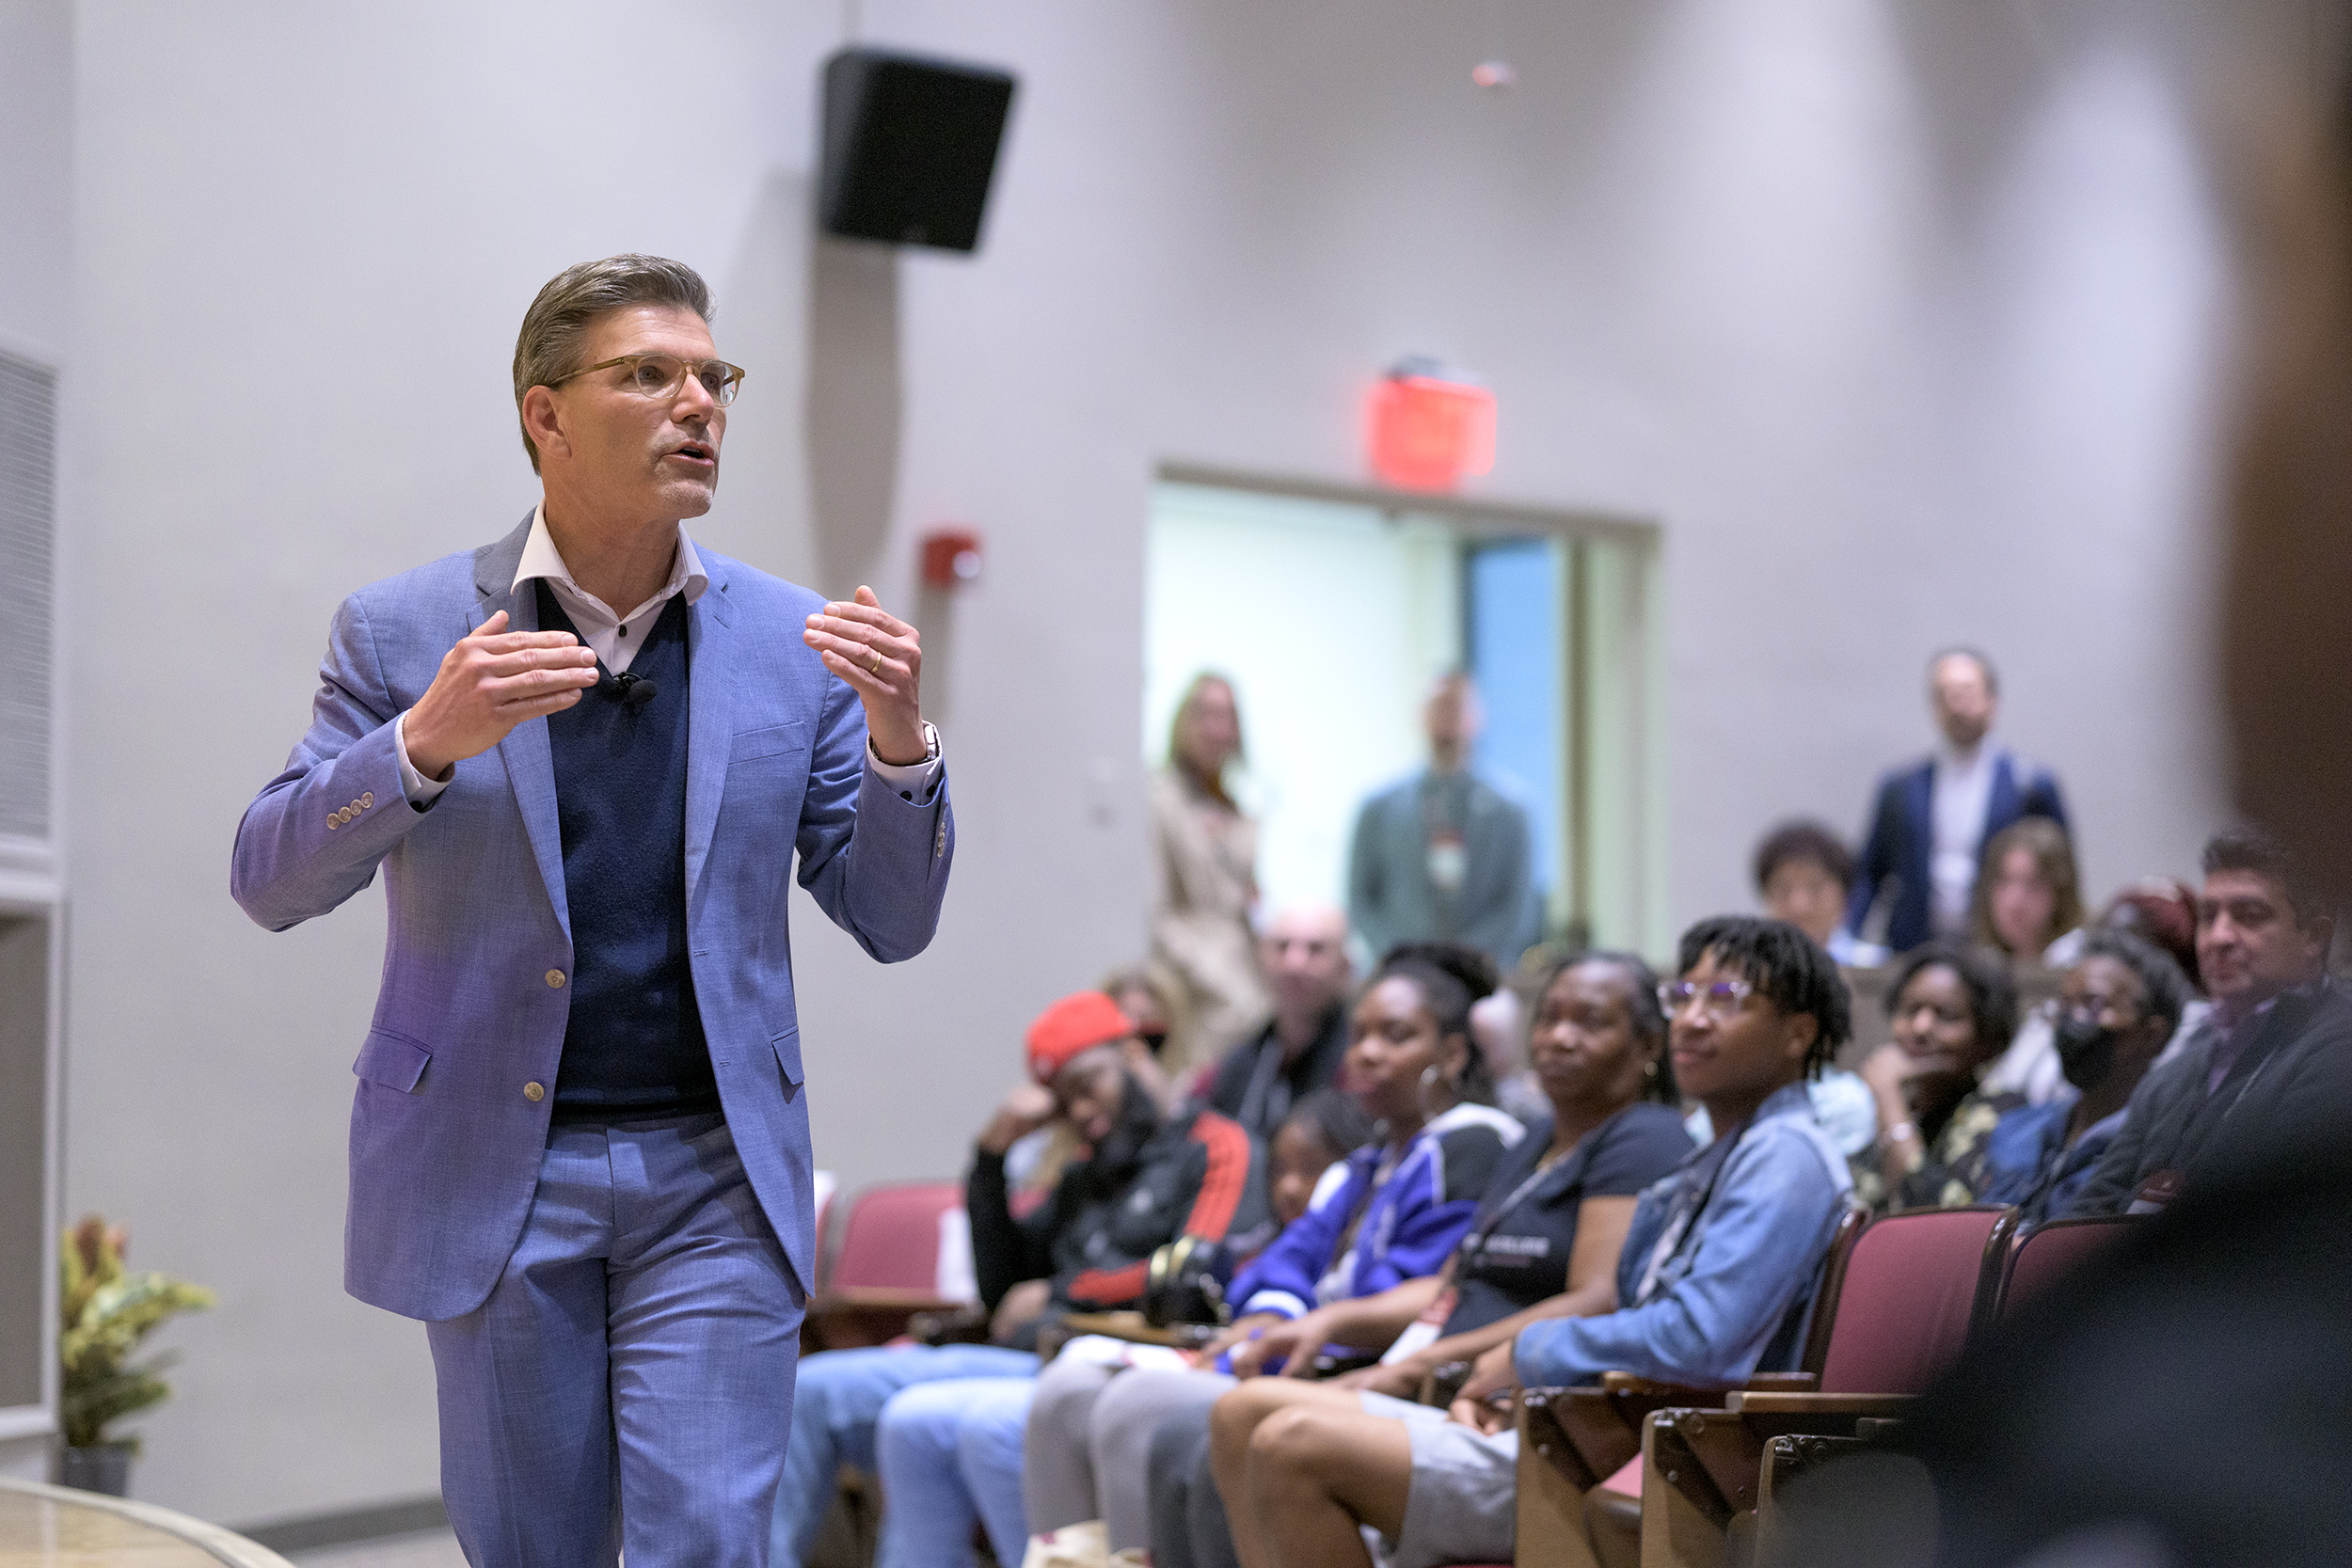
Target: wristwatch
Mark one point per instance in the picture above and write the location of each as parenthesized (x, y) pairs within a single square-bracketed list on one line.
[(931, 748)]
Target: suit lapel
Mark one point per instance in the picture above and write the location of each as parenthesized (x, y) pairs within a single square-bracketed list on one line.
[(530, 762), (709, 720)]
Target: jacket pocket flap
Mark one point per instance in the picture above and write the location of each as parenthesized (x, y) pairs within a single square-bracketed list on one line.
[(789, 1054), (774, 740), (391, 1060)]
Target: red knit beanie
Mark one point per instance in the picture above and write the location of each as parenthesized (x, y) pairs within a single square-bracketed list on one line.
[(1073, 1024)]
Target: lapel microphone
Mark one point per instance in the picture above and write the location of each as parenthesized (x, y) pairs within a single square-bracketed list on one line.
[(634, 690)]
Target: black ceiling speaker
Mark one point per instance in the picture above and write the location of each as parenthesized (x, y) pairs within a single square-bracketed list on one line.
[(910, 147)]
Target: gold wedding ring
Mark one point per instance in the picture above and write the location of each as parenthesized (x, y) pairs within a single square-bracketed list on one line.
[(874, 668)]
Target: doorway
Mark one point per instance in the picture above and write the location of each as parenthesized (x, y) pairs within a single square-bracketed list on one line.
[(1333, 607)]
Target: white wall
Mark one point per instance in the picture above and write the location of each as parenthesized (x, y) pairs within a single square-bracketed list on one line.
[(1903, 317)]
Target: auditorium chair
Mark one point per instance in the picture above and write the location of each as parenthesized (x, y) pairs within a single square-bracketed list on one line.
[(2047, 1253), (1580, 1449), (2037, 1260), (887, 1268), (1897, 1307)]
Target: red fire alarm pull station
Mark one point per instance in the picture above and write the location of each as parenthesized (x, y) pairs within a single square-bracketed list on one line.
[(1430, 428), (951, 557)]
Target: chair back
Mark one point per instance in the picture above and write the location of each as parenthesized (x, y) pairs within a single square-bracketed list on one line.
[(1833, 1282), (892, 1238), (2047, 1253), (1918, 1285)]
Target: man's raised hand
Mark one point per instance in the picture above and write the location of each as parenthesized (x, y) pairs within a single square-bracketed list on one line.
[(490, 682), (882, 658)]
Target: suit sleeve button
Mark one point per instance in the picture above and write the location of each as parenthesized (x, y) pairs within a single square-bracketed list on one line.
[(555, 979), (534, 1092), (366, 799)]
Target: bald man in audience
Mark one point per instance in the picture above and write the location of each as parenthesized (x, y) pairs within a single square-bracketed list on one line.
[(1304, 955)]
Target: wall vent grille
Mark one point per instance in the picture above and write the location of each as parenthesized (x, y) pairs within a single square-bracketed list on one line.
[(28, 444)]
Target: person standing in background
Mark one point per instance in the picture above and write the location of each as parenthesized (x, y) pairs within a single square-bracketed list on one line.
[(1204, 856), (1444, 856), (1933, 818)]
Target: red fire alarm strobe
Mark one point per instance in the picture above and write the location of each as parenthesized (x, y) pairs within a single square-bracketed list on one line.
[(1430, 428), (951, 557)]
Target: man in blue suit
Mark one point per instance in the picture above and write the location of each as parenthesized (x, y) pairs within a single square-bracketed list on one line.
[(584, 757), (1933, 818)]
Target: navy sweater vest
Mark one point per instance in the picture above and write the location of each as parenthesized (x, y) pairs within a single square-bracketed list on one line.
[(633, 1042)]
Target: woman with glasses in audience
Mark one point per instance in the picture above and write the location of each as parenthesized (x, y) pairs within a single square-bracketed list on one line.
[(1952, 1009), (1546, 1239), (1714, 1283)]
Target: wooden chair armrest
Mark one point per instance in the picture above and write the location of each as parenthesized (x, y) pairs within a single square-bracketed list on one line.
[(1782, 1383), (1745, 1403), (1669, 1393), (882, 1298)]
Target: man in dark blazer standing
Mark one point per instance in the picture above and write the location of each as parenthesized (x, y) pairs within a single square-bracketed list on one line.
[(584, 758), (1934, 816)]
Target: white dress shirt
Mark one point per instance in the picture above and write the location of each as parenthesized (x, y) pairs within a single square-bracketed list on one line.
[(1960, 797), (614, 639)]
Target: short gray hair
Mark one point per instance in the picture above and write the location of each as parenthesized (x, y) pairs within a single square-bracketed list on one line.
[(548, 349)]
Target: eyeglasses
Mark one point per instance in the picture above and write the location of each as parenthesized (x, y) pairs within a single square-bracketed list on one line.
[(1718, 999), (659, 375)]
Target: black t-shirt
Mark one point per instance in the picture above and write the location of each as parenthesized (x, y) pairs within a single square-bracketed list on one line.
[(1256, 1087), (1517, 1250)]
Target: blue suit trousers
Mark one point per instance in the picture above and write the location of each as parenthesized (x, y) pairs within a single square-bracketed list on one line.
[(629, 1383)]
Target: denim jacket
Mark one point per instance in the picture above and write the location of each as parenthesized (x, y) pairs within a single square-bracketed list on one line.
[(1720, 1264)]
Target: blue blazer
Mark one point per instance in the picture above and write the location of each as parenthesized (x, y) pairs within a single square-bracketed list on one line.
[(1902, 839), (445, 1144)]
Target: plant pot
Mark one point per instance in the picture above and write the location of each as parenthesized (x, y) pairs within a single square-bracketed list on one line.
[(101, 1468)]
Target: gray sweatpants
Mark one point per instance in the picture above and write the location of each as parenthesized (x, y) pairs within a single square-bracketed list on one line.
[(1086, 1453)]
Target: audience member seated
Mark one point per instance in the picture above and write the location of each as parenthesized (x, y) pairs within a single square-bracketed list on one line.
[(1716, 1282), (1933, 818), (1034, 1165), (1952, 1009), (2028, 900), (2277, 1038), (1304, 953), (1149, 1178), (1499, 1025), (2118, 1007), (1546, 1241), (1375, 1236), (2158, 908), (1804, 873), (1306, 1151)]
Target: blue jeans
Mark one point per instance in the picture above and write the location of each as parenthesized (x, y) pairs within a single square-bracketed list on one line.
[(628, 1382), (834, 1410), (948, 1453)]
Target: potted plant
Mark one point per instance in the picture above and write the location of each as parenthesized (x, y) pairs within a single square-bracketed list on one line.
[(107, 1311)]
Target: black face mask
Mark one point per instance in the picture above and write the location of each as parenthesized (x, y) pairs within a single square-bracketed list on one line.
[(2086, 1051), (1138, 1120)]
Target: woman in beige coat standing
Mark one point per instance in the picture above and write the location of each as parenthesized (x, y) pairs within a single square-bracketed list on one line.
[(1205, 857)]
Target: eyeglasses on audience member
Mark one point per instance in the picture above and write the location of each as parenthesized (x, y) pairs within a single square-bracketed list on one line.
[(659, 375), (1720, 1000)]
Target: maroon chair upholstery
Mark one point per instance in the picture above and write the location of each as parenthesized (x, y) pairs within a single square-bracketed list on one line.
[(887, 1269), (2043, 1257), (891, 1241), (1918, 1285)]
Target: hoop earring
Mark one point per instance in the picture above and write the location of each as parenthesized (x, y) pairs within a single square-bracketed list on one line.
[(1429, 1075), (1649, 1068)]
